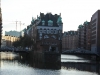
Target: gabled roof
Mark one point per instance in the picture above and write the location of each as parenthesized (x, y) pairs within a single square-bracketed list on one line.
[(47, 18)]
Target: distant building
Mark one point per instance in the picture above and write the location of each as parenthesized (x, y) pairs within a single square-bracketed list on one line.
[(13, 33), (64, 41), (80, 36), (47, 32), (3, 43), (11, 36), (8, 41), (95, 32), (88, 35), (0, 24), (84, 36), (70, 40)]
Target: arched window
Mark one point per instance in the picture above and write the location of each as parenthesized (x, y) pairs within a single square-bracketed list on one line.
[(53, 36), (46, 36)]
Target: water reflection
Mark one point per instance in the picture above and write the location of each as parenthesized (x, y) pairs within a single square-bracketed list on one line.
[(73, 58), (82, 67), (16, 64), (81, 63)]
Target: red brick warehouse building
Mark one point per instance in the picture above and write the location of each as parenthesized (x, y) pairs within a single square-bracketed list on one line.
[(47, 32)]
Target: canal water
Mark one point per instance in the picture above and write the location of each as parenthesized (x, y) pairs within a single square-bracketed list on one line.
[(15, 64)]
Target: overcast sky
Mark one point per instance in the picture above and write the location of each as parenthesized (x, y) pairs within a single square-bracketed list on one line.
[(73, 12)]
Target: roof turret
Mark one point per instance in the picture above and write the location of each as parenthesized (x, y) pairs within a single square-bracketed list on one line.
[(32, 22), (38, 18), (86, 23), (80, 26), (59, 20)]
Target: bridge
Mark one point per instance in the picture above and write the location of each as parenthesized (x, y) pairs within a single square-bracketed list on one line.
[(79, 52), (16, 51)]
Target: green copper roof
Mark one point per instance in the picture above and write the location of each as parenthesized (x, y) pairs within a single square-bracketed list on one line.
[(43, 21), (32, 18), (80, 26), (86, 23), (59, 20), (38, 18), (50, 21), (32, 22), (65, 33)]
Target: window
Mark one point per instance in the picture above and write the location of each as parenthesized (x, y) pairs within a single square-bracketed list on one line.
[(53, 36), (59, 31), (52, 31), (44, 31), (46, 36), (55, 32), (39, 31), (43, 22), (50, 23), (49, 31)]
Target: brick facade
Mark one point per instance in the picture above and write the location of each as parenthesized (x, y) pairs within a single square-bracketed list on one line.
[(84, 36), (47, 32), (70, 40)]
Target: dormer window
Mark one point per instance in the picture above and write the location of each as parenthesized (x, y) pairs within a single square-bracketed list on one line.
[(43, 22), (50, 23)]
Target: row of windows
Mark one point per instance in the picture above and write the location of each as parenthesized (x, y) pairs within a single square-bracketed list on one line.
[(46, 36), (54, 43), (48, 31), (50, 23)]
